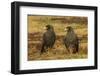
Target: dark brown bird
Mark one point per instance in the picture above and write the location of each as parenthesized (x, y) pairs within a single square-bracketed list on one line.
[(49, 38), (71, 41)]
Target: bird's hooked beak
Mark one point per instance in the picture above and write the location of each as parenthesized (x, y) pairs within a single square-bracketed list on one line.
[(45, 28), (65, 29)]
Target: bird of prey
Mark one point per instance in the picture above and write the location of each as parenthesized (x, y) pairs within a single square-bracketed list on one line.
[(71, 41), (48, 39)]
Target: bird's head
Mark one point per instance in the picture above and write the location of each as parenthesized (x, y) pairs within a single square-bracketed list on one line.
[(48, 27), (68, 29)]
